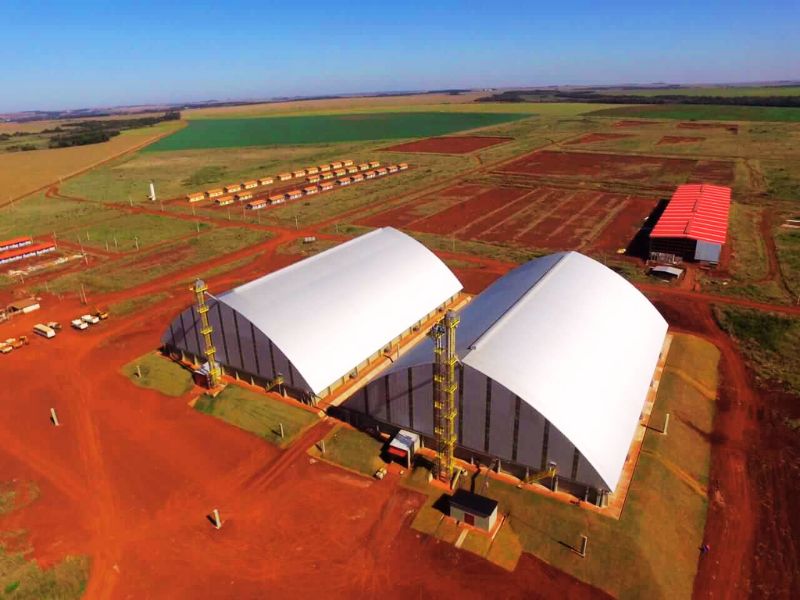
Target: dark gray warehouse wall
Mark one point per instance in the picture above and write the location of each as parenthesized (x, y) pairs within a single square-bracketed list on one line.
[(492, 420), (240, 346)]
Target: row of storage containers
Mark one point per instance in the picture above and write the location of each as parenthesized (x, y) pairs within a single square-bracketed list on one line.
[(324, 186), (15, 243), (234, 188), (26, 252)]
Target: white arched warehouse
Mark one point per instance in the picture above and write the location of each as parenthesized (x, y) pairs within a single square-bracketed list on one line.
[(320, 319), (557, 358)]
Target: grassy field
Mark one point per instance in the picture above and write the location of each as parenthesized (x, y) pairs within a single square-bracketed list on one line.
[(149, 230), (24, 172), (769, 343), (787, 242), (258, 414), (137, 268), (39, 215), (723, 92), (316, 129), (351, 449), (134, 305), (160, 374), (703, 112), (652, 550)]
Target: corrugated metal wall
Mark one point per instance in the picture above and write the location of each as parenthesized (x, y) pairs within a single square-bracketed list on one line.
[(240, 346), (492, 421)]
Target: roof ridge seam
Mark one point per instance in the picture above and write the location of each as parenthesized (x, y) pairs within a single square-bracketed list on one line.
[(516, 305)]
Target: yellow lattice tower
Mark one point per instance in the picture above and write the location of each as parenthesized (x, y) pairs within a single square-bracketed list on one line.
[(214, 372), (445, 386)]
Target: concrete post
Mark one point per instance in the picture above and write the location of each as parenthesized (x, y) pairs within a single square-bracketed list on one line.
[(322, 446), (138, 371), (217, 520), (584, 543), (555, 483), (54, 417), (666, 425), (280, 425)]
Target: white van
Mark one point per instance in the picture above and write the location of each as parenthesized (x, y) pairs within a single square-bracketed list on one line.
[(44, 331)]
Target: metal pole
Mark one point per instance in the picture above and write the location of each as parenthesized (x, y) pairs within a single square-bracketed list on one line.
[(281, 426), (138, 371), (54, 417), (666, 425), (217, 520), (584, 543)]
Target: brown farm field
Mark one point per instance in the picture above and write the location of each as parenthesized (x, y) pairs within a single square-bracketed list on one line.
[(125, 485), (22, 173)]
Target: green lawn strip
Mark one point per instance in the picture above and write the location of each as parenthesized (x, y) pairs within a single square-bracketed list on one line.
[(41, 216), (769, 342), (704, 112), (160, 374), (787, 242), (258, 414), (749, 257), (352, 449), (138, 268), (133, 305), (24, 578), (783, 178), (127, 229)]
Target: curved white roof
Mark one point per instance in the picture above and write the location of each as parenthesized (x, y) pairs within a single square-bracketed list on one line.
[(572, 339), (330, 312), (579, 344)]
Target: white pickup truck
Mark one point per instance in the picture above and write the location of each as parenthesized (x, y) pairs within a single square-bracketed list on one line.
[(79, 324), (90, 319)]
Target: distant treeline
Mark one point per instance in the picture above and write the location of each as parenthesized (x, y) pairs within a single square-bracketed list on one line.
[(82, 133), (601, 98)]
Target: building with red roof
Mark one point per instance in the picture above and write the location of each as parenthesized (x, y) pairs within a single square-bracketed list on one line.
[(694, 225)]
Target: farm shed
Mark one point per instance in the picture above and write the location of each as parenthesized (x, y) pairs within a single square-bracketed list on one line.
[(556, 362), (694, 224), (319, 320), (196, 197), (15, 243), (235, 187), (215, 193), (26, 252), (473, 509)]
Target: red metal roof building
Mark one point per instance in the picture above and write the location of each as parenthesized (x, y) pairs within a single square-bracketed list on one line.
[(694, 225), (13, 243)]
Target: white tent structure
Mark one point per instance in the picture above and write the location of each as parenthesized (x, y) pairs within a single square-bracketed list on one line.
[(320, 319), (557, 358)]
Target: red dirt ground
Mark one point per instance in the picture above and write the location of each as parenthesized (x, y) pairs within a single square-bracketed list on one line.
[(584, 165), (733, 128), (130, 475), (538, 217), (634, 123), (678, 139), (449, 144), (590, 138), (713, 171)]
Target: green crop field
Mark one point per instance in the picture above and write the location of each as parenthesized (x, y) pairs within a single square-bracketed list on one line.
[(710, 112), (316, 129)]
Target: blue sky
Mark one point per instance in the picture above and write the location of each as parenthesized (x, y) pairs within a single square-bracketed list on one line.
[(81, 54)]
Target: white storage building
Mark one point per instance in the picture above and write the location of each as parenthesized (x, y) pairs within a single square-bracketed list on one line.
[(557, 358), (321, 319)]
